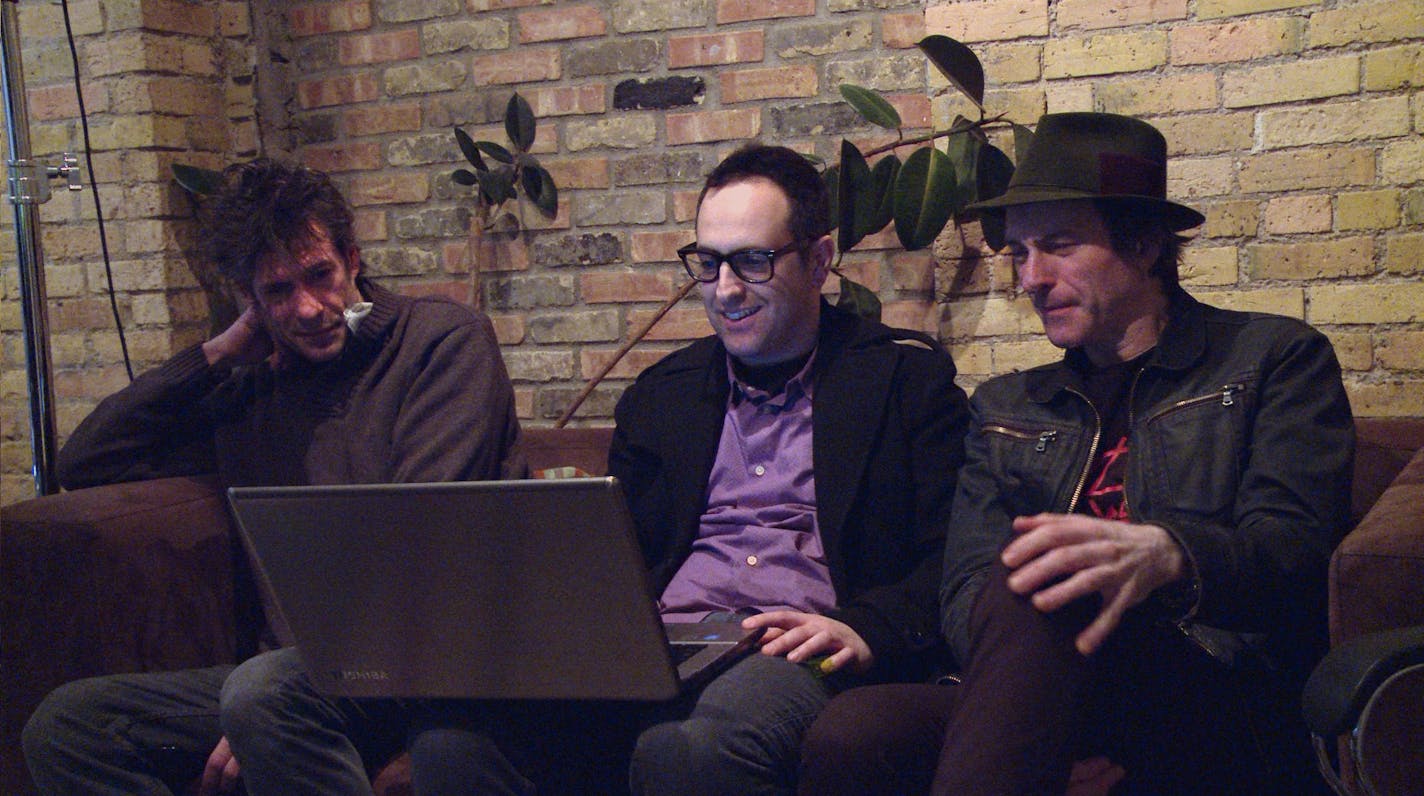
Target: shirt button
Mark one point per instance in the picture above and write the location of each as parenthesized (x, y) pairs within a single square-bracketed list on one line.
[(759, 470), (751, 561)]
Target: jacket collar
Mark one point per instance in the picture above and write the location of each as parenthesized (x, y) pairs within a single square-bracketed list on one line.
[(1182, 344), (836, 329)]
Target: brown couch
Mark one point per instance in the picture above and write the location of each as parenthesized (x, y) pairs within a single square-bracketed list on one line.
[(139, 576)]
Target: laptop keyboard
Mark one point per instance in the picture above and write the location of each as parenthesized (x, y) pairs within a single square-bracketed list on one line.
[(681, 652)]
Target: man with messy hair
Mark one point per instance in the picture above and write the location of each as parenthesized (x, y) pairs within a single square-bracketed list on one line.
[(324, 378)]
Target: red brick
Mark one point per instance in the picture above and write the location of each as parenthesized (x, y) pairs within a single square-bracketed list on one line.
[(339, 90), (659, 247), (391, 117), (684, 205), (697, 128), (729, 11), (680, 323), (578, 172), (370, 224), (375, 48), (318, 18), (625, 286), (568, 22), (179, 17), (902, 30), (387, 188), (634, 361), (522, 66), (356, 156), (712, 49), (770, 83), (508, 327), (55, 102), (914, 109), (566, 100), (458, 291)]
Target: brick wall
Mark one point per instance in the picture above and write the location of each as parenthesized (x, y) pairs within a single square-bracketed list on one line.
[(1295, 126)]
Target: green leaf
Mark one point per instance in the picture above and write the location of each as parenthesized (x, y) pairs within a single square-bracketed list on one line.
[(876, 206), (470, 151), (465, 177), (196, 180), (859, 299), (495, 151), (854, 183), (995, 169), (923, 193), (539, 187), (1022, 138), (831, 178), (497, 185), (958, 64), (519, 123), (872, 106)]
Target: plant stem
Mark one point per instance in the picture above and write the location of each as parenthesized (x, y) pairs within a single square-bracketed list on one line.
[(618, 355)]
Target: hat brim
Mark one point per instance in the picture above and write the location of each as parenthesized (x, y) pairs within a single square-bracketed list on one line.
[(1178, 217)]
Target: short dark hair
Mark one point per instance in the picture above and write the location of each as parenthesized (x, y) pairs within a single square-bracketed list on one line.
[(267, 206), (1134, 225), (792, 172)]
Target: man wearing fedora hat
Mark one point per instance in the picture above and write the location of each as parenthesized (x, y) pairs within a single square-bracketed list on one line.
[(1136, 558)]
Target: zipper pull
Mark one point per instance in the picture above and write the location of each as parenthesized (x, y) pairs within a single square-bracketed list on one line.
[(1227, 399), (1044, 439)]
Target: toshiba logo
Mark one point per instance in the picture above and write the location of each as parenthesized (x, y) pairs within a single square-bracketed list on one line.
[(350, 675)]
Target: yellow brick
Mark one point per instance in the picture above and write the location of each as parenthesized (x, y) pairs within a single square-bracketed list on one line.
[(1243, 40), (1153, 95), (1106, 54), (1231, 219), (1335, 123), (1118, 14), (1312, 168), (922, 316), (1279, 300), (1065, 97), (1373, 303), (1401, 350), (1291, 82), (988, 20), (1367, 210), (1395, 398), (1010, 63), (1290, 214), (1395, 67), (1404, 253), (1311, 260), (1211, 9), (1192, 178), (1214, 265), (973, 358), (1399, 162), (989, 316), (1355, 350), (1208, 133), (1012, 356), (1356, 23)]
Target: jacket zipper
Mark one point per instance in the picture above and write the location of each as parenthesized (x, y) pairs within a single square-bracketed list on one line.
[(1092, 451), (1042, 438)]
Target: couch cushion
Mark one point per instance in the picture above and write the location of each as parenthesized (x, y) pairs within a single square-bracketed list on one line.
[(1377, 573)]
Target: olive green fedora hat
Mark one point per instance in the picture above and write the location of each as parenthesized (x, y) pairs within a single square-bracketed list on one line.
[(1094, 156)]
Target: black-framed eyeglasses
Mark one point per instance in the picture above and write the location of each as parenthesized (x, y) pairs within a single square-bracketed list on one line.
[(750, 265)]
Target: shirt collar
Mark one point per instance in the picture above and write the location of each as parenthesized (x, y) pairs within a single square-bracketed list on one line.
[(799, 385)]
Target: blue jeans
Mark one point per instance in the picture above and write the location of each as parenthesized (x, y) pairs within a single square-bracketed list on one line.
[(740, 734), (125, 734)]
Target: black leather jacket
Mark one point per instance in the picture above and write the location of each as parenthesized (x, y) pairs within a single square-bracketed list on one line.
[(1241, 443)]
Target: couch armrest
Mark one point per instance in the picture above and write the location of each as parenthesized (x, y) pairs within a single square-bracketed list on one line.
[(1348, 677), (126, 577), (1377, 572)]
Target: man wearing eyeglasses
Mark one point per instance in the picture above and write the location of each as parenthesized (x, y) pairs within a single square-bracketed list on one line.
[(794, 471)]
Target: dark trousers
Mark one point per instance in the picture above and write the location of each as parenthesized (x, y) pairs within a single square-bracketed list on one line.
[(1150, 700)]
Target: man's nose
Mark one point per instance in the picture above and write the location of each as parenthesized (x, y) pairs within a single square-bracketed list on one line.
[(728, 283), (1031, 271), (307, 304)]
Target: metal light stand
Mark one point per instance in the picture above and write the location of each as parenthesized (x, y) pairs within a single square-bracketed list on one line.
[(29, 187)]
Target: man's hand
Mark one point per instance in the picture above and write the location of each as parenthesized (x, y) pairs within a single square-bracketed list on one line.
[(245, 342), (1059, 558), (798, 636), (220, 773)]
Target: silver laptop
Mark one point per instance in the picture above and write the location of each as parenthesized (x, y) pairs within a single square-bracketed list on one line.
[(479, 590)]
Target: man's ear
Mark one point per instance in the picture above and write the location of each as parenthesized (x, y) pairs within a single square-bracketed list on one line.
[(820, 254), (353, 260)]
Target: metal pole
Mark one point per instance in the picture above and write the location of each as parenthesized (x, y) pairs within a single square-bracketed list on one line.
[(29, 187)]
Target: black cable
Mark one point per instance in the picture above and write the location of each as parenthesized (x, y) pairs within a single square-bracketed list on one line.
[(94, 189)]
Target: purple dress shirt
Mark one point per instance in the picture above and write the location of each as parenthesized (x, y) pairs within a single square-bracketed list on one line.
[(759, 546)]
